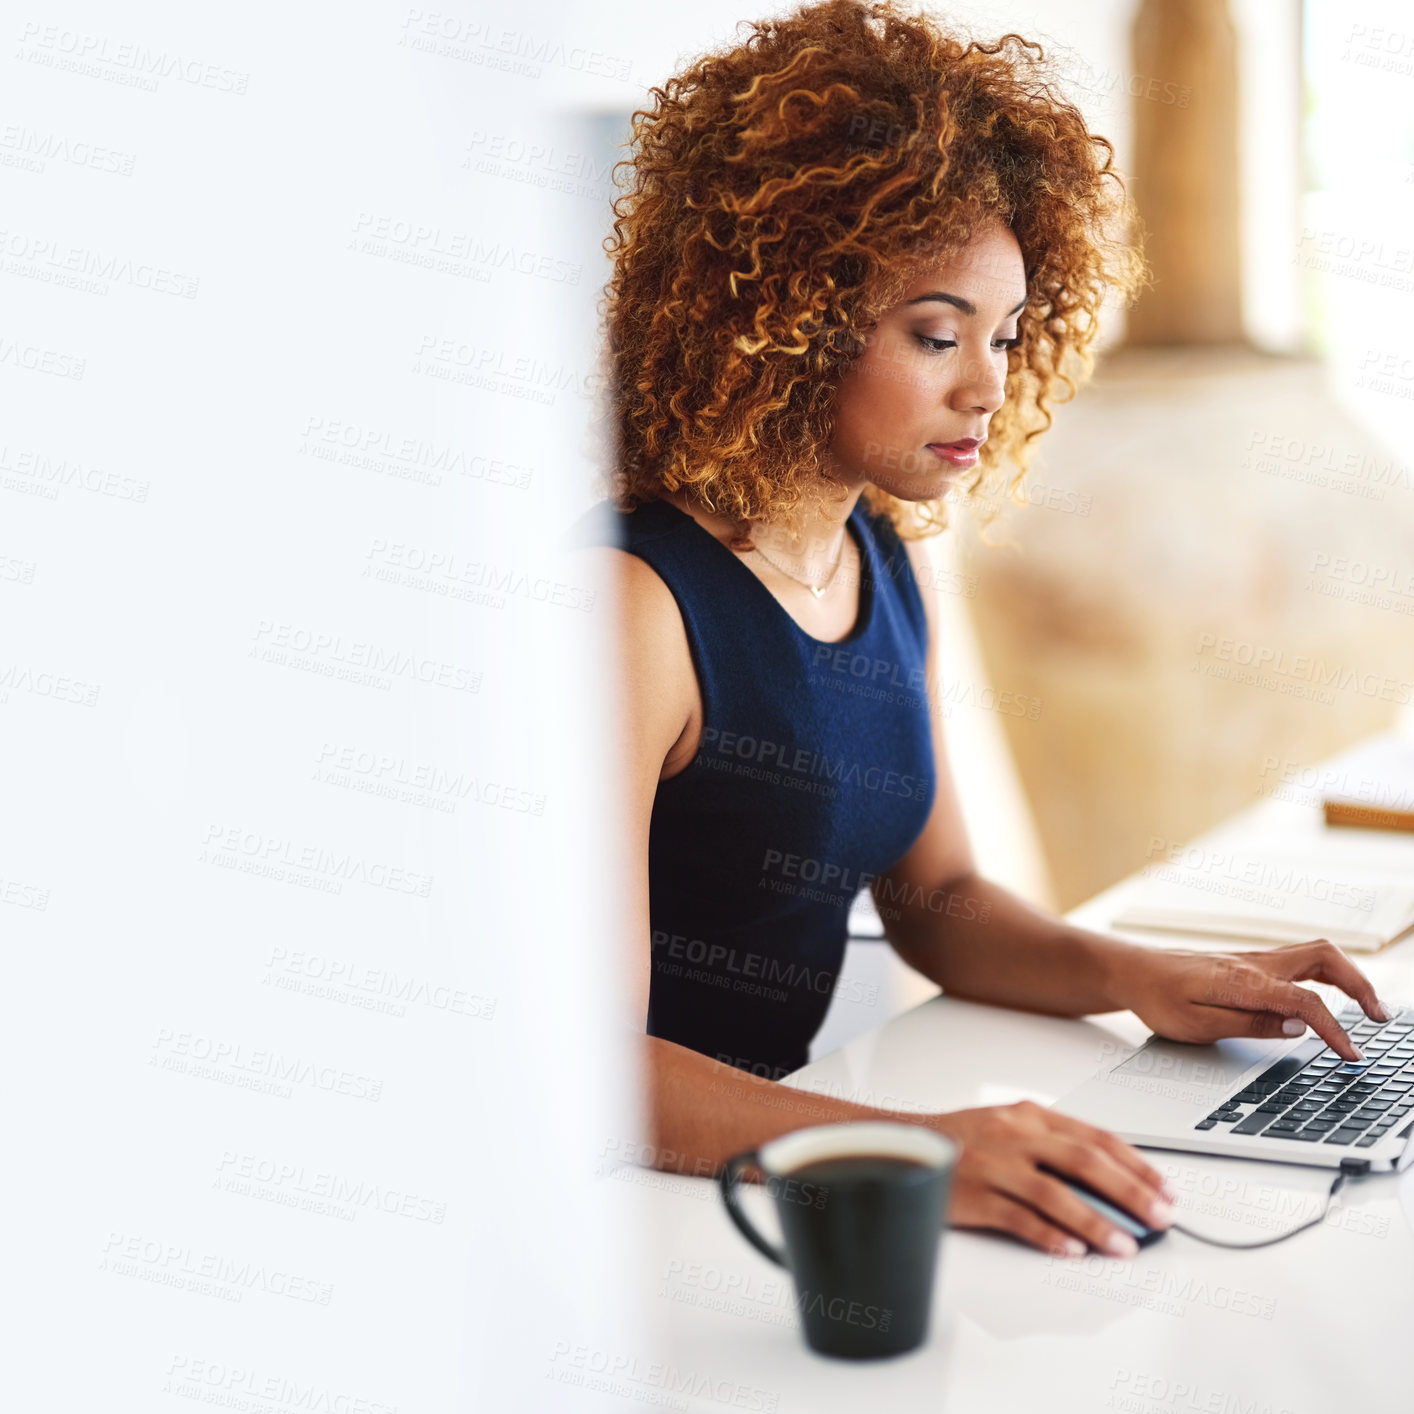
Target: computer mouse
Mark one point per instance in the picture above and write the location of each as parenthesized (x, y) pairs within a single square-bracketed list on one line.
[(1141, 1232)]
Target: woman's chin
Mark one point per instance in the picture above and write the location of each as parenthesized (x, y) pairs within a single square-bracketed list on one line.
[(931, 486)]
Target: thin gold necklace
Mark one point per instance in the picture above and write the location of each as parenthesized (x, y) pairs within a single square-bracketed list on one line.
[(817, 590)]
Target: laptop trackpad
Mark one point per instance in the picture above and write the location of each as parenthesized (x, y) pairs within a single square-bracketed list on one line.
[(1175, 1067)]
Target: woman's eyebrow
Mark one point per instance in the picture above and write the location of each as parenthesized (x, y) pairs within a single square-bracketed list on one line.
[(965, 305)]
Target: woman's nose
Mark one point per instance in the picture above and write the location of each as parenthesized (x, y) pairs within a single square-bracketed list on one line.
[(982, 386)]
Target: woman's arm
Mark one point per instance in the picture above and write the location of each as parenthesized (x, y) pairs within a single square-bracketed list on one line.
[(704, 1111), (977, 940), (972, 937), (701, 1111)]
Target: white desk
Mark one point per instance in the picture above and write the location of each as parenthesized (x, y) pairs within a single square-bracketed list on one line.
[(1309, 1326)]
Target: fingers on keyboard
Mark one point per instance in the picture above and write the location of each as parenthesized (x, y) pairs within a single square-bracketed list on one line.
[(1313, 1096)]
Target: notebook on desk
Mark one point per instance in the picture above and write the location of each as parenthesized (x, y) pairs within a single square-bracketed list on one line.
[(1380, 794), (1271, 898)]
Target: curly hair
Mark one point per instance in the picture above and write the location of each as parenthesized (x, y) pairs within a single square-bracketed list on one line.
[(776, 195)]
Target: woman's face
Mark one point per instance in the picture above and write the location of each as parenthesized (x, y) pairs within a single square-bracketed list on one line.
[(932, 373)]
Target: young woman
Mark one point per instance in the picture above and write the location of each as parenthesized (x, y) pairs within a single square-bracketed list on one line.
[(855, 259)]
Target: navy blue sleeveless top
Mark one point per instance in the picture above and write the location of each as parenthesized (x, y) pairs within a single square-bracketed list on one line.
[(814, 773)]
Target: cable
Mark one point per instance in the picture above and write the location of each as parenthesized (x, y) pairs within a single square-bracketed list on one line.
[(1349, 1168)]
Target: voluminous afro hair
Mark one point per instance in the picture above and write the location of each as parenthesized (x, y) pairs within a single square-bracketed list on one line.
[(776, 196)]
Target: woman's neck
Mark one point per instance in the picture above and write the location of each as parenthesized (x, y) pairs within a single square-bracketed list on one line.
[(809, 538)]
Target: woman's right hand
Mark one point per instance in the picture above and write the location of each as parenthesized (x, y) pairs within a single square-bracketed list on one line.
[(997, 1183)]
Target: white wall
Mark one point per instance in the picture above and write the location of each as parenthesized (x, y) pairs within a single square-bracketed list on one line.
[(310, 1008)]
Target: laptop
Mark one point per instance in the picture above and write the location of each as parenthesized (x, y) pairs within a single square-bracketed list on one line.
[(1288, 1101)]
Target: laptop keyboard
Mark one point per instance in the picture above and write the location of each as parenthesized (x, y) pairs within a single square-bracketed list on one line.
[(1312, 1096)]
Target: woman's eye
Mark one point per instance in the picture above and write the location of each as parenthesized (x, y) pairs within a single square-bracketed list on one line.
[(937, 345)]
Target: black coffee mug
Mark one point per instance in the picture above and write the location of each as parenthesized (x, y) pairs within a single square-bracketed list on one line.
[(862, 1207)]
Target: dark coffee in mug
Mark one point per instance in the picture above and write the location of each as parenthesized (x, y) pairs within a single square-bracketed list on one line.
[(856, 1168), (861, 1208)]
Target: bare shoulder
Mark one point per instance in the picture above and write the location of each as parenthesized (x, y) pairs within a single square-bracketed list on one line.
[(648, 616), (656, 677)]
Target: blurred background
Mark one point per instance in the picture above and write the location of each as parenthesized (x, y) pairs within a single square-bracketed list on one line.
[(1240, 467)]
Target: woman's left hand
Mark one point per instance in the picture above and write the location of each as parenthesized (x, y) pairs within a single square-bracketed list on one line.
[(1200, 996)]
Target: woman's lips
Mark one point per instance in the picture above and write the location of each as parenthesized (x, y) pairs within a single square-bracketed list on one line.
[(960, 453)]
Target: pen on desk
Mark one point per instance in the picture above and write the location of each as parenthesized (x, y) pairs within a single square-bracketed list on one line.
[(1367, 817)]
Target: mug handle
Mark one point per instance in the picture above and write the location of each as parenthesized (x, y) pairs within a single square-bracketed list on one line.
[(729, 1178)]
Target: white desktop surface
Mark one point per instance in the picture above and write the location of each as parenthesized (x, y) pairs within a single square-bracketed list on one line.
[(1319, 1323)]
